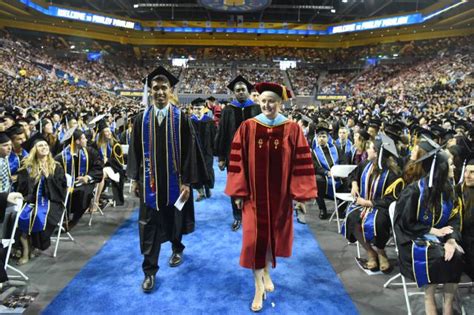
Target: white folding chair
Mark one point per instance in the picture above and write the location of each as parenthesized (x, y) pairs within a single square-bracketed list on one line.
[(340, 171), (125, 148), (404, 284), (70, 185), (10, 241)]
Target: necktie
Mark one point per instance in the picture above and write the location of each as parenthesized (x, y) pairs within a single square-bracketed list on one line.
[(160, 117), (4, 176)]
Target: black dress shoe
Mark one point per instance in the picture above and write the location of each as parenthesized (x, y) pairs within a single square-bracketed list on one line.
[(323, 215), (208, 193), (236, 225), (148, 284), (200, 197), (176, 259)]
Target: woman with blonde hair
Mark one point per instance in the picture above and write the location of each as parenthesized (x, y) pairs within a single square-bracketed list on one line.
[(42, 183), (270, 166)]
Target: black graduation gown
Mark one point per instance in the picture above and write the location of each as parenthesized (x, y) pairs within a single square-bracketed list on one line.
[(116, 162), (321, 177), (231, 118), (55, 188), (125, 137), (81, 196), (168, 222), (206, 133), (467, 228), (390, 192), (409, 229), (3, 251)]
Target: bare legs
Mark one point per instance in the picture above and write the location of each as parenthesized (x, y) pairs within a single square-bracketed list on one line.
[(372, 262), (257, 303), (25, 255), (267, 281), (449, 292), (430, 302)]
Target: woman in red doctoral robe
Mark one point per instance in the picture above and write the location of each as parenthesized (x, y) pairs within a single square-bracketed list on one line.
[(270, 166)]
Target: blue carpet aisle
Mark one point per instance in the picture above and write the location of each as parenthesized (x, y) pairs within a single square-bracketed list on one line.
[(210, 281)]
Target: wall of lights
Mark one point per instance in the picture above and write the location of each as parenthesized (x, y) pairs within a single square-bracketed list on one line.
[(336, 29)]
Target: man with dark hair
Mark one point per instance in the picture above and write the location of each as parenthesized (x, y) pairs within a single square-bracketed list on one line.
[(206, 132), (86, 169), (163, 161), (239, 110)]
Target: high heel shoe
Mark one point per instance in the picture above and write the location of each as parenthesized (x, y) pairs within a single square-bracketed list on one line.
[(257, 308), (260, 294)]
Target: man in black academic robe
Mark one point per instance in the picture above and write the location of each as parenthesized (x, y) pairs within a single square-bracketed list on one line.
[(84, 184), (166, 222), (206, 133), (325, 155), (242, 108)]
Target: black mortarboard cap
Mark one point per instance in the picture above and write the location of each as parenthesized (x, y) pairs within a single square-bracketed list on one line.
[(4, 137), (238, 79), (101, 125), (14, 130), (375, 122), (160, 71), (322, 127), (198, 101), (30, 143), (364, 134)]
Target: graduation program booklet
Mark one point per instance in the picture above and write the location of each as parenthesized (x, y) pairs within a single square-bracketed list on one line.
[(180, 204)]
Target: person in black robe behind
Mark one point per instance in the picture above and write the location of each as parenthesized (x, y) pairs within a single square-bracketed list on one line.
[(240, 109), (40, 176), (427, 228), (325, 155), (465, 191), (165, 127), (86, 168), (206, 133), (110, 152)]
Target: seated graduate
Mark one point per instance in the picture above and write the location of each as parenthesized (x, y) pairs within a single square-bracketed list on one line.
[(86, 168), (325, 155), (343, 143), (376, 183), (18, 153), (42, 182), (427, 228), (465, 191), (47, 131), (359, 150), (269, 153), (110, 152), (206, 132)]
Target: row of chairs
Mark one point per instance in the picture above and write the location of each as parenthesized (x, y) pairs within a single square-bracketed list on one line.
[(59, 236), (341, 198)]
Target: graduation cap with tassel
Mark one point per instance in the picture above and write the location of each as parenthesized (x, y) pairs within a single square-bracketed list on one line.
[(385, 143), (432, 149)]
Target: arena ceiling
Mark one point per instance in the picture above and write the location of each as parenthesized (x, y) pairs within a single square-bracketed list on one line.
[(451, 18), (291, 11)]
